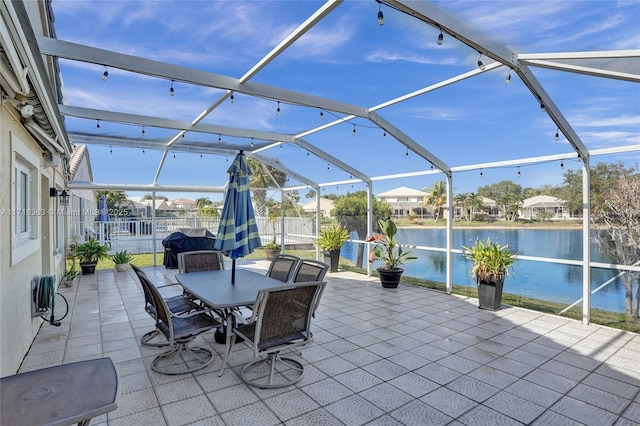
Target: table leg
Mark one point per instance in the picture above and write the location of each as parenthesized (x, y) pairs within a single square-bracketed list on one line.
[(229, 331)]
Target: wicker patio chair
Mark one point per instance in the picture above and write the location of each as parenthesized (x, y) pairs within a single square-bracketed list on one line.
[(180, 330), (200, 260), (179, 304), (281, 321), (282, 267)]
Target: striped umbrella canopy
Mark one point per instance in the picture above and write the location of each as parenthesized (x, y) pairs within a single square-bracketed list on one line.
[(238, 232)]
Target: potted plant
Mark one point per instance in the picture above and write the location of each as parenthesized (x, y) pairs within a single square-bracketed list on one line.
[(272, 249), (71, 274), (121, 260), (491, 263), (89, 253), (389, 252), (331, 240)]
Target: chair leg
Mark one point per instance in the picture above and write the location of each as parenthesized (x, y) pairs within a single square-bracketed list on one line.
[(148, 339), (182, 358), (282, 371)]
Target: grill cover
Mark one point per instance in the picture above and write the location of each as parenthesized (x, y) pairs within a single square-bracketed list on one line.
[(178, 242)]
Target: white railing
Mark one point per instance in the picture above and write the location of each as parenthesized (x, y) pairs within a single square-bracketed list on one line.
[(137, 236)]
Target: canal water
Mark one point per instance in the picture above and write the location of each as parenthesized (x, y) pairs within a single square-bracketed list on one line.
[(546, 281)]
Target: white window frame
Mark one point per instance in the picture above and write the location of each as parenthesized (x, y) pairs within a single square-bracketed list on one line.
[(24, 208)]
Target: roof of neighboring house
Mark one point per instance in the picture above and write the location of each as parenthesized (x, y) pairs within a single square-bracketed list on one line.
[(182, 201), (402, 191), (79, 153), (543, 201), (488, 202), (312, 204)]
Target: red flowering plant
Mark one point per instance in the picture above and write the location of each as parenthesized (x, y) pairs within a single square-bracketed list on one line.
[(387, 249)]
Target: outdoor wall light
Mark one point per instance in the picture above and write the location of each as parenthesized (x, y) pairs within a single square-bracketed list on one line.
[(63, 196)]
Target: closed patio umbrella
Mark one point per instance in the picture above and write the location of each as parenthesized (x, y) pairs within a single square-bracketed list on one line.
[(103, 215), (238, 232)]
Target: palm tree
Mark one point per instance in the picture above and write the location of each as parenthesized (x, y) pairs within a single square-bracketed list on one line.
[(436, 198), (472, 201), (460, 201), (262, 178), (203, 202)]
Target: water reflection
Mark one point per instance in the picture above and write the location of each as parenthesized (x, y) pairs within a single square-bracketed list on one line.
[(553, 282)]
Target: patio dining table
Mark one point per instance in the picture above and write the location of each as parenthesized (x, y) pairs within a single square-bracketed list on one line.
[(215, 290), (61, 395)]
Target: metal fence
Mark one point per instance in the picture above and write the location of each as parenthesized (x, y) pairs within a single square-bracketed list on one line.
[(138, 236)]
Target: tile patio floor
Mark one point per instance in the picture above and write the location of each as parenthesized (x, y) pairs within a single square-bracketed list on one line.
[(408, 356)]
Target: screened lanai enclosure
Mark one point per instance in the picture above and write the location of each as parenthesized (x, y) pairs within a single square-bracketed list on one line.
[(360, 96)]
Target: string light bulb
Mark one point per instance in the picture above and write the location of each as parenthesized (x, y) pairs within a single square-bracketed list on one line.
[(174, 155), (557, 136), (384, 135), (406, 154), (562, 164), (143, 151), (278, 110), (440, 38), (98, 125), (231, 99), (519, 174), (481, 174), (143, 132), (380, 15), (110, 150), (508, 79), (354, 130), (321, 115), (251, 143), (172, 92), (105, 74), (219, 138), (480, 64)]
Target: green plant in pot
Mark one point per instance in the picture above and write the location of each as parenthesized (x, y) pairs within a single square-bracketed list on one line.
[(491, 263), (272, 249), (121, 260), (389, 252), (331, 240), (71, 273), (89, 253)]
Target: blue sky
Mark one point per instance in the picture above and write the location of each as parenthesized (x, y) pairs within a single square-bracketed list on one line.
[(350, 58)]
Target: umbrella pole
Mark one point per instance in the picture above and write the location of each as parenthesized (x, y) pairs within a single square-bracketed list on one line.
[(233, 271)]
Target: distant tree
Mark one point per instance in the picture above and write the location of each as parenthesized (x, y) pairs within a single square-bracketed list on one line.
[(158, 197), (262, 177), (310, 194), (208, 211), (436, 198), (202, 202), (544, 215), (495, 190), (472, 202), (603, 177), (351, 212), (116, 200), (294, 196), (620, 235)]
